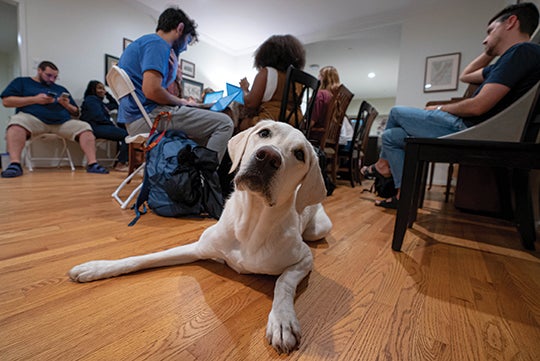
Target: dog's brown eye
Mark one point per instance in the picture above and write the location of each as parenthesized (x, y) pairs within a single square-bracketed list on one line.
[(299, 154), (264, 133)]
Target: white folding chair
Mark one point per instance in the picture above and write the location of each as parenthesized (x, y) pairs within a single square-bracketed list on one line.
[(121, 86), (65, 155)]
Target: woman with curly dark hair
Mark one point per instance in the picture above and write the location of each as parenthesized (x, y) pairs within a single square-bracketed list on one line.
[(271, 59)]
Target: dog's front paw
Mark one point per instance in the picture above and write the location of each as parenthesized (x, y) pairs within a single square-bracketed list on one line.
[(283, 331), (94, 270)]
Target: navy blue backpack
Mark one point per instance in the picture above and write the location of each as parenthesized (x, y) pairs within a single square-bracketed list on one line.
[(180, 178)]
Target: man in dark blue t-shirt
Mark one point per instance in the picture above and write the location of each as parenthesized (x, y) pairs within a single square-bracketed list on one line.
[(515, 72), (42, 106)]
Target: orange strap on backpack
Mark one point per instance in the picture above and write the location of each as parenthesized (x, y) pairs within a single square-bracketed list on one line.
[(154, 128)]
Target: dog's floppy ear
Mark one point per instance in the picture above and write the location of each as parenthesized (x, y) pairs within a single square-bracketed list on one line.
[(312, 189), (237, 146)]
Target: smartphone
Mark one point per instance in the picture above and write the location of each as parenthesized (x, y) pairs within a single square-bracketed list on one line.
[(64, 95), (52, 94)]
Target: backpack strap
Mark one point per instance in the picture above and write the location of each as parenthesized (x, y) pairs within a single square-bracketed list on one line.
[(145, 189), (154, 129), (141, 199)]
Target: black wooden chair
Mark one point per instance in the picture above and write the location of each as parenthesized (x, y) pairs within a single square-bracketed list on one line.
[(350, 156), (328, 137), (509, 139), (300, 88)]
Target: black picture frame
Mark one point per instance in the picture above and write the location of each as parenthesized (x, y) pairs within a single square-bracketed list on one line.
[(110, 60), (191, 88), (188, 68), (125, 43), (442, 72)]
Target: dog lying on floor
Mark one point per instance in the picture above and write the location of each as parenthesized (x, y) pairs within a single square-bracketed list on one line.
[(276, 205)]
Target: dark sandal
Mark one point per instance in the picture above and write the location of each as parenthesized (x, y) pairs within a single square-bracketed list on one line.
[(388, 204), (12, 171), (369, 171)]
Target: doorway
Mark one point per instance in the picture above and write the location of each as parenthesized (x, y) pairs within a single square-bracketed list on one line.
[(9, 59)]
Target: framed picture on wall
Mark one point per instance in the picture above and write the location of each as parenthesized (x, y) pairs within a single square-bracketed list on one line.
[(188, 68), (442, 72), (191, 88), (109, 62), (125, 43)]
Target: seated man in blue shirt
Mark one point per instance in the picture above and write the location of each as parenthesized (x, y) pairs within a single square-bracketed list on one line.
[(151, 62), (515, 72), (44, 107)]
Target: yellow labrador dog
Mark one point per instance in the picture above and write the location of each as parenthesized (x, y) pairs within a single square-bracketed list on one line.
[(276, 205)]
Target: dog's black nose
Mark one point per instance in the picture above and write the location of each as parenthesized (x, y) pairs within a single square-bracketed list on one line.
[(268, 156)]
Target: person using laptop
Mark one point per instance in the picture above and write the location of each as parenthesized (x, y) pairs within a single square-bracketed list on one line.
[(151, 62)]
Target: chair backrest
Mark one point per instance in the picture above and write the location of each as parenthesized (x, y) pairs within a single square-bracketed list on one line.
[(513, 124), (299, 87), (121, 86), (366, 116), (334, 117)]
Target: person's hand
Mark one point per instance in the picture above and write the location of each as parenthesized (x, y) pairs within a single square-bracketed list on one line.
[(43, 99), (64, 101), (244, 84), (433, 107)]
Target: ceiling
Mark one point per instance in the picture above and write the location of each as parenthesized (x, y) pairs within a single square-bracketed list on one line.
[(355, 36)]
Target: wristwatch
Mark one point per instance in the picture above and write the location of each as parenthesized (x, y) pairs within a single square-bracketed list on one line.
[(439, 107)]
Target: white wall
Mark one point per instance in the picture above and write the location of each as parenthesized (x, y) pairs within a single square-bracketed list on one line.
[(449, 27), (78, 43)]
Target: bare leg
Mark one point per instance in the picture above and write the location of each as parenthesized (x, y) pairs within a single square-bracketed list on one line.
[(383, 167), (16, 138), (87, 142)]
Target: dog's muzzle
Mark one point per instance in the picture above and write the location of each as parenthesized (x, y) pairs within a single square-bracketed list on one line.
[(260, 171)]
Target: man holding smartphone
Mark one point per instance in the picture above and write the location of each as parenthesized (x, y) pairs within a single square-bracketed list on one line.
[(42, 106)]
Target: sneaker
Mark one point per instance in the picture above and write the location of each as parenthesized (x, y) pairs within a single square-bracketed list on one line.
[(96, 168), (12, 171), (121, 167)]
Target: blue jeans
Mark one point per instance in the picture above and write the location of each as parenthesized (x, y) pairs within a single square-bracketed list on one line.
[(112, 132), (406, 122)]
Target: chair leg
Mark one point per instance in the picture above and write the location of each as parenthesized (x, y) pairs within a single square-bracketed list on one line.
[(28, 156), (448, 182), (406, 200), (66, 152), (351, 175), (524, 211), (431, 174), (125, 203)]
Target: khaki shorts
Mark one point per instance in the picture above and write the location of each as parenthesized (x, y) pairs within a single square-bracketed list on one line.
[(68, 130)]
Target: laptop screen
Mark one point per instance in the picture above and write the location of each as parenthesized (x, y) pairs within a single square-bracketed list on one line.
[(213, 97)]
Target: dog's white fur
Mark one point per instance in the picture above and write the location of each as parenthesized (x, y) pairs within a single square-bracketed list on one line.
[(275, 206)]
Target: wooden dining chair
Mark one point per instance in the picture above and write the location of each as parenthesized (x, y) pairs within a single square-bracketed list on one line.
[(350, 157), (300, 88), (334, 119)]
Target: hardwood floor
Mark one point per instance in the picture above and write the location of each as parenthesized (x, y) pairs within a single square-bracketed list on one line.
[(462, 289)]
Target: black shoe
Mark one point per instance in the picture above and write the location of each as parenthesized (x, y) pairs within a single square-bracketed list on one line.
[(388, 204)]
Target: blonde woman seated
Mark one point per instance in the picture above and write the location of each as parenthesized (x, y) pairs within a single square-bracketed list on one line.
[(329, 78), (272, 59)]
